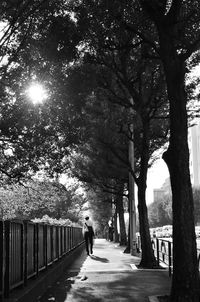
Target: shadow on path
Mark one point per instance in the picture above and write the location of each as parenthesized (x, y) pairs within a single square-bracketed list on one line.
[(59, 291), (105, 260), (107, 276)]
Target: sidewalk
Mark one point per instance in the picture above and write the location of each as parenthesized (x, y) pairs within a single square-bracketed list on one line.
[(107, 275)]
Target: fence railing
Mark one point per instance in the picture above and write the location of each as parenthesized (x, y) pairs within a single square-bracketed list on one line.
[(163, 251), (26, 248)]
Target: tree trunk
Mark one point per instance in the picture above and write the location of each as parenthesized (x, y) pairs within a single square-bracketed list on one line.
[(148, 259), (120, 211), (128, 248), (116, 234), (185, 281)]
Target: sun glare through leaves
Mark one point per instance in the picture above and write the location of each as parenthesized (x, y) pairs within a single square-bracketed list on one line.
[(37, 93)]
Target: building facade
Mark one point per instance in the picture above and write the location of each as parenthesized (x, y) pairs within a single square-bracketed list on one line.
[(158, 194)]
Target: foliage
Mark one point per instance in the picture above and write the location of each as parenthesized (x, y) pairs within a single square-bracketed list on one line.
[(54, 221), (177, 37), (39, 198), (59, 124), (102, 159), (100, 207), (117, 35), (35, 136), (160, 211)]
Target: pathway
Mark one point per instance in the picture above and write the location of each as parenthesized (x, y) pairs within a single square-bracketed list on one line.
[(107, 275)]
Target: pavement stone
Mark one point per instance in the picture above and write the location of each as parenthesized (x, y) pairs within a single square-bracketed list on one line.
[(107, 275)]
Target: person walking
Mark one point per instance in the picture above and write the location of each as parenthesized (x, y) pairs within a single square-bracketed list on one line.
[(110, 231), (88, 234)]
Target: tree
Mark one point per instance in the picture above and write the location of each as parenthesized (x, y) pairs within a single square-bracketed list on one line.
[(175, 24), (172, 33), (120, 211), (100, 207), (160, 211), (173, 50), (26, 131), (95, 165), (196, 196), (123, 78), (126, 75), (34, 199)]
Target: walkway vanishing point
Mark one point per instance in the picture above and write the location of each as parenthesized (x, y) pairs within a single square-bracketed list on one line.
[(107, 275)]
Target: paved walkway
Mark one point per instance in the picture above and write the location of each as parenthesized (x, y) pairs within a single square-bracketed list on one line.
[(107, 275)]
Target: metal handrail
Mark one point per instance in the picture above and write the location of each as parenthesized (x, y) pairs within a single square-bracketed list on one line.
[(163, 251)]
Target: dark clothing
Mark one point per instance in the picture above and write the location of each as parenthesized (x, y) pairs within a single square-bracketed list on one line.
[(88, 233), (110, 232), (88, 242)]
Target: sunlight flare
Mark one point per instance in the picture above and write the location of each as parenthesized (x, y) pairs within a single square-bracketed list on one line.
[(37, 93)]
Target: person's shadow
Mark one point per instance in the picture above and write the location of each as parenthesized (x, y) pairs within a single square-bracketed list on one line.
[(105, 260)]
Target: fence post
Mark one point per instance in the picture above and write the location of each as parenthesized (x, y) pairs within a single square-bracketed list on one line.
[(7, 259), (57, 242), (25, 253), (22, 249), (71, 238), (169, 258), (68, 238), (61, 241), (52, 242), (2, 259), (65, 239), (157, 251), (45, 246), (36, 234)]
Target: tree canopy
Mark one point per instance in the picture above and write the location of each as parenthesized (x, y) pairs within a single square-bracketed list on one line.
[(138, 53)]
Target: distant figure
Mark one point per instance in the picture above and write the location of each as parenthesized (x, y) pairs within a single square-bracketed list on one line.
[(88, 234), (110, 231), (106, 232)]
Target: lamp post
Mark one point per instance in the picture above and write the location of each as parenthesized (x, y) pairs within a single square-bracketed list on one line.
[(132, 212)]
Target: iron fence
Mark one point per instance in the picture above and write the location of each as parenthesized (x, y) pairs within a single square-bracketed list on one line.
[(2, 258), (27, 248), (163, 251)]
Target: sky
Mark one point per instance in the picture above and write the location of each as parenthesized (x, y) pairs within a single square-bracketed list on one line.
[(157, 175), (159, 171)]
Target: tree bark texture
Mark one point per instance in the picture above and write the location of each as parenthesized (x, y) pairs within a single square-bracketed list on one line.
[(128, 247), (120, 211), (116, 234), (148, 259), (185, 280)]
